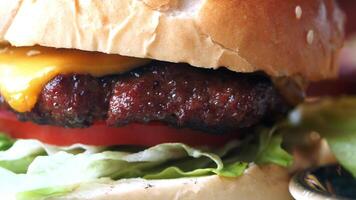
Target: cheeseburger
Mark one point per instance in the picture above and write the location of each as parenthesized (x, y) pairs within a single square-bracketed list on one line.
[(157, 99)]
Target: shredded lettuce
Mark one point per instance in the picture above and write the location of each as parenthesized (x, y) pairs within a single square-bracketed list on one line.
[(5, 142), (271, 151), (30, 169), (335, 120), (19, 156)]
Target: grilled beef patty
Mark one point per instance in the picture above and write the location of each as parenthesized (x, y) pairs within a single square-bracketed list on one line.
[(216, 101)]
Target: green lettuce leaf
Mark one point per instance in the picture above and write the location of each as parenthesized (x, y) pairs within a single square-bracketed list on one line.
[(334, 119), (271, 151), (61, 172), (30, 169), (5, 142), (44, 193), (19, 156)]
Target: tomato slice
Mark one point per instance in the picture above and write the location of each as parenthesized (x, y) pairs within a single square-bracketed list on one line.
[(101, 135)]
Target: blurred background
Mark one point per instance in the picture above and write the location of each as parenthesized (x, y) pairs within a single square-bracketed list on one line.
[(349, 6), (346, 84)]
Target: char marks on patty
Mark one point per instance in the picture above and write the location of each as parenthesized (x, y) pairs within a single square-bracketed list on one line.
[(177, 94)]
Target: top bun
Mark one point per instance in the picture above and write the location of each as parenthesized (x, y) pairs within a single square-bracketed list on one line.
[(280, 37)]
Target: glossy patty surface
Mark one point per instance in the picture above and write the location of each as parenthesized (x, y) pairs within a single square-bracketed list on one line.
[(216, 101)]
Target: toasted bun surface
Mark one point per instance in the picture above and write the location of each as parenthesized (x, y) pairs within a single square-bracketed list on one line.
[(281, 37), (267, 183)]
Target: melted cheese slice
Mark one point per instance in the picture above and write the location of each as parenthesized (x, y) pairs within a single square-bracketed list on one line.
[(24, 71)]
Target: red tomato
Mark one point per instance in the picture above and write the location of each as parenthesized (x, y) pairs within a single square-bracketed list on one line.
[(101, 135)]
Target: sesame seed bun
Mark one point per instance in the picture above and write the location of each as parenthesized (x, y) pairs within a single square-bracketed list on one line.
[(280, 37)]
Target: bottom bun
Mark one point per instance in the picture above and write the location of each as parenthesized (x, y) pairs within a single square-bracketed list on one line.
[(257, 183)]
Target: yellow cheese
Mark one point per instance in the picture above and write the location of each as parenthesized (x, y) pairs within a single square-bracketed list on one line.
[(24, 71)]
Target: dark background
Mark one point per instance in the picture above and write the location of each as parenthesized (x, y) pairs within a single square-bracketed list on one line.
[(349, 6)]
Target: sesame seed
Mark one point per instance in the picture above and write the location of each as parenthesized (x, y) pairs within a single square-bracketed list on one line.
[(33, 53), (310, 37), (298, 12)]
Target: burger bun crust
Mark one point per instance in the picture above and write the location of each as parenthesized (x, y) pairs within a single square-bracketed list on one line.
[(267, 183), (283, 38)]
